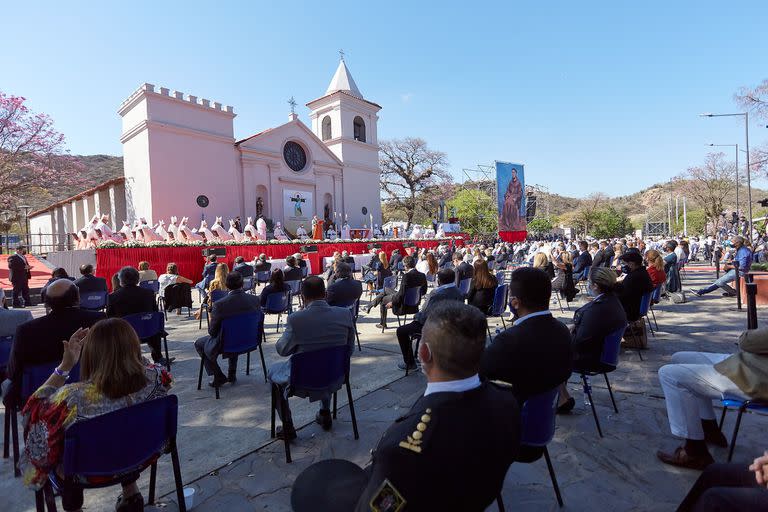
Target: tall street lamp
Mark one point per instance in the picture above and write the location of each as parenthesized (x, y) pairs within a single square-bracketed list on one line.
[(6, 215), (25, 211), (749, 178), (737, 170)]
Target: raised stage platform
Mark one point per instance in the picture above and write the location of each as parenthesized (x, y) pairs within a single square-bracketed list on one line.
[(190, 259)]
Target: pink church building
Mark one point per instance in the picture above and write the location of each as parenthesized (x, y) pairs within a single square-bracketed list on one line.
[(177, 147)]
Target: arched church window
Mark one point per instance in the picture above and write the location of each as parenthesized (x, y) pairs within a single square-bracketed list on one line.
[(327, 128), (359, 129)]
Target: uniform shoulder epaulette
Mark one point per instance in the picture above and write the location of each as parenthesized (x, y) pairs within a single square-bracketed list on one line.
[(414, 441)]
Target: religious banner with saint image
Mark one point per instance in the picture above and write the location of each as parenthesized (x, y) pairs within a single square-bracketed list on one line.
[(298, 209), (510, 182)]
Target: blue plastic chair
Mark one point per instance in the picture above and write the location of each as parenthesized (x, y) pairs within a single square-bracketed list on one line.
[(411, 299), (645, 305), (318, 371), (464, 285), (609, 360), (6, 342), (278, 303), (295, 286), (655, 298), (150, 324), (538, 428), (145, 430), (499, 305), (93, 301), (248, 283), (757, 406), (32, 378), (263, 277), (152, 284), (240, 334), (206, 306)]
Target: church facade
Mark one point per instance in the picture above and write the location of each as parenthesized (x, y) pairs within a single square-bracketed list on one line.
[(177, 147)]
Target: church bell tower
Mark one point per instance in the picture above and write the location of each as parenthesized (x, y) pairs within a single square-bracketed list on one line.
[(346, 123)]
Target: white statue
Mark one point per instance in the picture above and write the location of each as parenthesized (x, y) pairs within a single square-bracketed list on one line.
[(126, 230), (233, 231), (416, 233), (377, 231), (279, 233), (186, 233), (345, 231), (207, 233), (160, 230), (173, 228), (331, 233), (221, 233), (147, 233), (250, 230), (440, 232), (261, 228), (137, 230), (301, 233)]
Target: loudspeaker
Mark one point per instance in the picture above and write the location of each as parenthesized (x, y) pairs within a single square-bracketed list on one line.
[(214, 251), (308, 249)]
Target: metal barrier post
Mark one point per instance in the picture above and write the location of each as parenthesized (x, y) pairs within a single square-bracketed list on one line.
[(718, 255), (751, 305), (738, 284)]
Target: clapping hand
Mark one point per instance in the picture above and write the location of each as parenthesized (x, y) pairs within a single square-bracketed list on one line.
[(760, 467), (72, 349)]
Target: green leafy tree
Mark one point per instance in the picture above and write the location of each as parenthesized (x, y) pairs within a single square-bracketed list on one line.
[(476, 211), (611, 222), (541, 225)]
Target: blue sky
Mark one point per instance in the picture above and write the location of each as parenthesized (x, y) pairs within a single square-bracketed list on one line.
[(590, 96)]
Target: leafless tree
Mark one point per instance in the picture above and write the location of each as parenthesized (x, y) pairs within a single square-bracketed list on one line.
[(709, 185), (409, 171), (755, 100)]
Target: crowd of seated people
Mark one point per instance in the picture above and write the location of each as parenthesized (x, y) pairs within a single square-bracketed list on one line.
[(449, 331)]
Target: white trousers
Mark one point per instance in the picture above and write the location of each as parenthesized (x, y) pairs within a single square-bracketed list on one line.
[(690, 383)]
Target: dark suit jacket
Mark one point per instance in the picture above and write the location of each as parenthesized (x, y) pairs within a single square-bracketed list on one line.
[(436, 296), (412, 278), (593, 322), (39, 341), (129, 300), (343, 292), (631, 290), (301, 263), (270, 289), (534, 356), (292, 274), (482, 298), (600, 259), (262, 266), (463, 271), (18, 269), (480, 428), (394, 260), (235, 303), (445, 259), (349, 260), (90, 283), (244, 269), (582, 261)]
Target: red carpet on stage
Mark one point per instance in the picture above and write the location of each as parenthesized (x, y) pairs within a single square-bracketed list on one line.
[(40, 272), (190, 259)]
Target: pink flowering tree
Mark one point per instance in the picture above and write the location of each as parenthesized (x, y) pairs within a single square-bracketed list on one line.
[(32, 155)]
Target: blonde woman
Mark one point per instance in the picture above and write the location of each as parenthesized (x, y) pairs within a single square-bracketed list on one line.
[(655, 267)]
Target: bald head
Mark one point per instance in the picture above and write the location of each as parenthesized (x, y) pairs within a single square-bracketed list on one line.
[(62, 293)]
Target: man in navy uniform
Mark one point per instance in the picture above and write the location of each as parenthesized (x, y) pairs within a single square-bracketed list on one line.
[(19, 277), (452, 450)]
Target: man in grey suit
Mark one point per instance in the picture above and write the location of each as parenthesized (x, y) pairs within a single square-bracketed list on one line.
[(315, 327), (11, 318), (235, 303)]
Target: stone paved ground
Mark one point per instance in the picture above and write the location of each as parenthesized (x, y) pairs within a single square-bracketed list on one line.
[(228, 457)]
